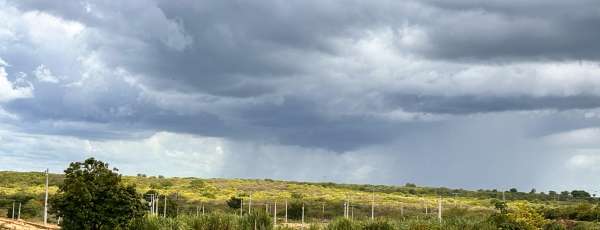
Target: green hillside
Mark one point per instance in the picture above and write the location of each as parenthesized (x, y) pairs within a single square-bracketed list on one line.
[(191, 193), (323, 202)]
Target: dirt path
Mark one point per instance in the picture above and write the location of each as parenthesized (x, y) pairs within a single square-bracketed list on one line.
[(8, 224)]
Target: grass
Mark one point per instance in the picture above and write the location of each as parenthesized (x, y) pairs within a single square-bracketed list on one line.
[(402, 206), (217, 191), (216, 221), (228, 221)]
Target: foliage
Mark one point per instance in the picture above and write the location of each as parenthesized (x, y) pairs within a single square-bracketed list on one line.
[(196, 184), (93, 197), (520, 215), (378, 225), (214, 221), (295, 210), (222, 221), (581, 212), (256, 220), (185, 195), (554, 226), (580, 194), (342, 224), (296, 195), (234, 202), (500, 205)]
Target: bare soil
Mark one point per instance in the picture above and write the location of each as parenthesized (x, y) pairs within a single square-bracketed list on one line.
[(9, 224)]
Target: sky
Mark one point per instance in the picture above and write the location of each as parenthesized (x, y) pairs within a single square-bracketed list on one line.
[(463, 94)]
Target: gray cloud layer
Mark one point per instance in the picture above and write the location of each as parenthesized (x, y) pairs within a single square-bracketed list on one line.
[(414, 82)]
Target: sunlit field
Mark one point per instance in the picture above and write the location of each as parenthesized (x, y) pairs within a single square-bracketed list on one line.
[(196, 203)]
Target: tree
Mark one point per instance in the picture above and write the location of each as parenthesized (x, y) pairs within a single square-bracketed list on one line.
[(580, 194), (93, 197), (513, 190), (410, 185)]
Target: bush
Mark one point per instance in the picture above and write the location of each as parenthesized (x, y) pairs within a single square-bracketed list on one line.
[(378, 225), (260, 220), (196, 184), (295, 210), (342, 224), (234, 202), (471, 223), (205, 222), (554, 226), (520, 216)]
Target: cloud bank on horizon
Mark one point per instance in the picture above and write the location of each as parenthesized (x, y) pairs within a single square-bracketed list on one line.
[(463, 93)]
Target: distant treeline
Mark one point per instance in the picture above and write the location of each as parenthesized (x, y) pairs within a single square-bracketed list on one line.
[(511, 194)]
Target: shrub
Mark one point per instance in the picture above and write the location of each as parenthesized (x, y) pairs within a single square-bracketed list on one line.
[(234, 202), (295, 210), (554, 226), (378, 225), (342, 224), (520, 216), (196, 184), (260, 220)]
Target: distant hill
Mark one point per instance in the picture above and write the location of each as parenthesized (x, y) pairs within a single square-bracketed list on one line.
[(192, 192)]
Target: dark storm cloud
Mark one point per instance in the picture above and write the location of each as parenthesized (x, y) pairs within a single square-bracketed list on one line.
[(220, 46), (296, 121), (236, 50), (515, 30), (225, 43), (102, 122), (430, 91)]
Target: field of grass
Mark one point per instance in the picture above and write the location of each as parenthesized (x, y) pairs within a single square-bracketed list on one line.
[(214, 192), (401, 206)]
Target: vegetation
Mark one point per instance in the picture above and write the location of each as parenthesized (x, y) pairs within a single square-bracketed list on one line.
[(228, 221), (93, 197), (82, 194), (234, 203), (216, 221)]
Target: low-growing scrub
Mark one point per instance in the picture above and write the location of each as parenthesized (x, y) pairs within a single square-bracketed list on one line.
[(260, 221), (215, 221)]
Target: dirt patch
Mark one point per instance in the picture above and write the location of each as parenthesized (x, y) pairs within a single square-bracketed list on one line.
[(8, 224)]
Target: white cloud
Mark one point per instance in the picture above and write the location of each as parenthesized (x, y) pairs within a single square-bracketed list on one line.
[(174, 154), (9, 91), (163, 152), (45, 29), (374, 63), (585, 159), (43, 74)]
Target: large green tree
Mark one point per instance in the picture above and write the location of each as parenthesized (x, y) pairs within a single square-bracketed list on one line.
[(93, 197)]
